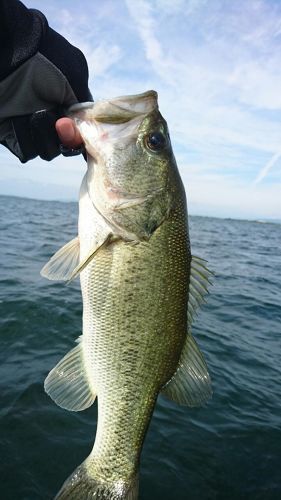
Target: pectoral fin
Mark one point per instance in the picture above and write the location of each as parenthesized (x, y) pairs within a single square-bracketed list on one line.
[(65, 265), (68, 384), (60, 267), (191, 384), (110, 237)]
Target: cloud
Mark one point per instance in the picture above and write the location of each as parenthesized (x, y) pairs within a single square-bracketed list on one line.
[(220, 81), (216, 67), (102, 58), (230, 197), (100, 55), (142, 14), (264, 172), (81, 27)]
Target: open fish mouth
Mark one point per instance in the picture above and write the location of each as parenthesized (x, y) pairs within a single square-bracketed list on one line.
[(141, 289), (125, 107)]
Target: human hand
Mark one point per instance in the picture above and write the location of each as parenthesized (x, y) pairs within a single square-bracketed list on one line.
[(68, 133)]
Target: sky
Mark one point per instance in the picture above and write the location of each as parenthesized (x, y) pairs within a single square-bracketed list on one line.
[(216, 67)]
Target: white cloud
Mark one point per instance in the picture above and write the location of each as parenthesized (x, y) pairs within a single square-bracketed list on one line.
[(142, 13), (215, 66), (176, 7), (264, 171), (258, 84), (229, 197), (100, 54), (215, 83), (102, 58)]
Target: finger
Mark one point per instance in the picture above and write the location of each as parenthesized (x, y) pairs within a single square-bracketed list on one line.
[(68, 134)]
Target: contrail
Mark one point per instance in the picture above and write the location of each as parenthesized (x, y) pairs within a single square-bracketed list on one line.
[(264, 171)]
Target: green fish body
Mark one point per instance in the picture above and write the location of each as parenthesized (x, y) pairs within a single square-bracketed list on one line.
[(140, 288)]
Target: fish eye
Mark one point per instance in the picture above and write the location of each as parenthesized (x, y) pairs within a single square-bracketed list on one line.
[(156, 141)]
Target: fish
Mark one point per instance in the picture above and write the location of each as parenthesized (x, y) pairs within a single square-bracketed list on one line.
[(141, 288)]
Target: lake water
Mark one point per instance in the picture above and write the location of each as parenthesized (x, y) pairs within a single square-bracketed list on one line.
[(228, 450)]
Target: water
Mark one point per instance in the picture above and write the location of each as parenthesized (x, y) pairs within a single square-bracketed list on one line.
[(227, 450)]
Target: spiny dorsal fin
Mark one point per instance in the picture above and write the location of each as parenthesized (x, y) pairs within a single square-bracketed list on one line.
[(68, 384), (191, 383), (198, 286)]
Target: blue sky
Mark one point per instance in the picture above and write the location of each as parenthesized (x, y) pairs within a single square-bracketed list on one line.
[(216, 67)]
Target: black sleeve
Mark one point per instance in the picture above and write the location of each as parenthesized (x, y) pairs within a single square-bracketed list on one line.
[(41, 75)]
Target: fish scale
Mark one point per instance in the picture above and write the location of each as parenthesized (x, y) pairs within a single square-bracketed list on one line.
[(126, 347), (140, 289)]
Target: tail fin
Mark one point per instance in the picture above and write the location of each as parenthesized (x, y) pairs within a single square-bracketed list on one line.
[(81, 486)]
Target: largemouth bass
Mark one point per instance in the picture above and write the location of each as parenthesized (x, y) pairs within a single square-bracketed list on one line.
[(140, 289)]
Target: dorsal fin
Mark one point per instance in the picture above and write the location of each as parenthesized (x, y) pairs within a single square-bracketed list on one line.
[(198, 286)]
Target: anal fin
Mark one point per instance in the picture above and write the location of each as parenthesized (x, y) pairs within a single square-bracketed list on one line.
[(68, 384), (191, 383)]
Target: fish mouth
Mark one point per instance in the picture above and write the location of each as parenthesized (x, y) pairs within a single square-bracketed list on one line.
[(105, 122), (136, 104)]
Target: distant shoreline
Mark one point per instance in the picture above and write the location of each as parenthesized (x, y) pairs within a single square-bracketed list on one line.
[(258, 220)]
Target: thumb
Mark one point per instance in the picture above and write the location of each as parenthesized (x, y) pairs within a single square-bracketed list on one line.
[(68, 133)]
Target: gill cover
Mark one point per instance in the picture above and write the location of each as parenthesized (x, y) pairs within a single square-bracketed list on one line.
[(130, 162)]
